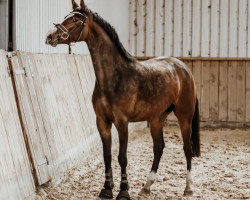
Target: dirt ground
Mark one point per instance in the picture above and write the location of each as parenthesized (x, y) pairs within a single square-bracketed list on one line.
[(222, 171)]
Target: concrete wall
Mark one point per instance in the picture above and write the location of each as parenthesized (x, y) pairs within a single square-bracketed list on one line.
[(33, 19), (4, 24)]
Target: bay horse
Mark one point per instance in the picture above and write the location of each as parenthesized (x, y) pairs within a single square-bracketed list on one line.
[(130, 91)]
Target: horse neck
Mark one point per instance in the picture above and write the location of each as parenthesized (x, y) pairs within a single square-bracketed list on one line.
[(106, 58)]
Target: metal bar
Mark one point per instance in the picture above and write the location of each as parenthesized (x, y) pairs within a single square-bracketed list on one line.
[(20, 72), (200, 59)]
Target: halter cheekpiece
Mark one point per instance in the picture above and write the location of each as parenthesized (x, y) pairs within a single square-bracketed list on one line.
[(66, 33)]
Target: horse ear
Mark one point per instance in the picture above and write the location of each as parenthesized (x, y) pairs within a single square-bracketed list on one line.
[(83, 6), (74, 5)]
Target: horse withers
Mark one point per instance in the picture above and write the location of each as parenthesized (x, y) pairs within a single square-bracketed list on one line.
[(130, 91)]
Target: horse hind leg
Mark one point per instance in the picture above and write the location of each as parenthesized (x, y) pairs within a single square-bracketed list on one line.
[(189, 120), (186, 131), (156, 128)]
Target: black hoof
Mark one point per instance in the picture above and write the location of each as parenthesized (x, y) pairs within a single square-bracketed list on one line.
[(106, 194), (123, 195)]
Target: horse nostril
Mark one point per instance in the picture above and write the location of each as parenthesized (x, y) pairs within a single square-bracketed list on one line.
[(49, 38)]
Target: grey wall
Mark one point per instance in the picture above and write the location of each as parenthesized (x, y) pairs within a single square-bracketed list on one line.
[(4, 24), (41, 14)]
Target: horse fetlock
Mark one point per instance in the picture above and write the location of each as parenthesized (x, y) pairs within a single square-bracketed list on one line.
[(151, 178), (189, 182), (124, 186), (109, 184)]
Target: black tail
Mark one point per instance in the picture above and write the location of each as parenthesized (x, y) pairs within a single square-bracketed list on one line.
[(196, 131)]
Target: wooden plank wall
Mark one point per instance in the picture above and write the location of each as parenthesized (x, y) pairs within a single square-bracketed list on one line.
[(16, 180), (190, 28), (56, 111), (223, 89), (55, 99)]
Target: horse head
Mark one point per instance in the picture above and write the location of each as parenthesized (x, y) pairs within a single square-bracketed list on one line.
[(74, 28)]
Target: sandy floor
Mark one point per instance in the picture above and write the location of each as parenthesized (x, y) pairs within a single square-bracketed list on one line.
[(222, 172)]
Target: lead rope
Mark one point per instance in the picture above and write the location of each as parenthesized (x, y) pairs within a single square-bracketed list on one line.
[(70, 50)]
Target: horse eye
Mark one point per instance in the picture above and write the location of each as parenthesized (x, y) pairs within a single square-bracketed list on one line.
[(74, 20)]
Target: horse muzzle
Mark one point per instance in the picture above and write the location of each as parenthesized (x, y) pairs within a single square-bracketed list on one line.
[(52, 38)]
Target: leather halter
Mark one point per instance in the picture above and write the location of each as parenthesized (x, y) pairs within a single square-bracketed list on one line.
[(66, 33)]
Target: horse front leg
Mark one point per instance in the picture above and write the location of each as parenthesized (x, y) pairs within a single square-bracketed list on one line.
[(122, 128), (156, 128), (104, 128)]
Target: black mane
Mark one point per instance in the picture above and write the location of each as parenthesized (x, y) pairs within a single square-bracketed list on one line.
[(113, 35)]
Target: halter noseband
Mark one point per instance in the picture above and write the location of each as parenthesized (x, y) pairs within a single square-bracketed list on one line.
[(66, 33)]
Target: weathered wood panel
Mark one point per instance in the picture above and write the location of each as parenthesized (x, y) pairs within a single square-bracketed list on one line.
[(224, 20), (141, 22), (233, 28), (31, 115), (243, 27), (63, 107), (187, 28), (134, 27), (169, 23), (215, 28), (241, 90), (248, 91), (207, 28), (16, 180), (54, 92), (196, 29), (159, 23), (205, 92), (177, 28), (223, 88), (214, 91), (232, 91), (223, 84)]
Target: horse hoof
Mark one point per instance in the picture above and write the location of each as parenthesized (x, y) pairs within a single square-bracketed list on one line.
[(145, 191), (106, 194), (123, 195), (188, 193)]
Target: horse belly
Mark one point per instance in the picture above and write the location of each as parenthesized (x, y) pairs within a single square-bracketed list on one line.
[(144, 111)]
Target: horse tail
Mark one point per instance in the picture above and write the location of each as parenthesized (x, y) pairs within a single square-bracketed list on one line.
[(195, 137)]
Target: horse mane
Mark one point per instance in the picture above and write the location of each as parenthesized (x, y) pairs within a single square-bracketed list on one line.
[(110, 30)]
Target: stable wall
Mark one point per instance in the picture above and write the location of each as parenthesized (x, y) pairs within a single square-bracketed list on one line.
[(16, 180), (47, 121), (190, 28), (4, 24), (33, 19)]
